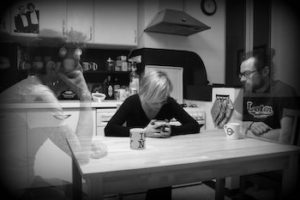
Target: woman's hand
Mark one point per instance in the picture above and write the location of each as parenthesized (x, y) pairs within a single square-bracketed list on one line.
[(157, 130)]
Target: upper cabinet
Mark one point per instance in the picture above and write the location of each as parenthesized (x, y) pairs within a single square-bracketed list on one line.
[(111, 22), (53, 18), (63, 18), (80, 20), (5, 22), (24, 18), (115, 22)]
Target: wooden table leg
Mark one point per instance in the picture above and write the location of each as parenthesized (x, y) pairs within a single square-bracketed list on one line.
[(220, 189), (77, 182), (289, 178), (95, 188)]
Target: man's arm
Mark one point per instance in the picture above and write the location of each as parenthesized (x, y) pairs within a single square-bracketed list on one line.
[(272, 134)]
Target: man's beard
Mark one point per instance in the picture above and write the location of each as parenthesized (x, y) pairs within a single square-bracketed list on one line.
[(254, 87)]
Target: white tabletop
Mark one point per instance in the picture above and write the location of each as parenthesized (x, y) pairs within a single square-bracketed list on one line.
[(203, 149)]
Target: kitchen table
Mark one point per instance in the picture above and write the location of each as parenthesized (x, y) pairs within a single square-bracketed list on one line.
[(179, 160)]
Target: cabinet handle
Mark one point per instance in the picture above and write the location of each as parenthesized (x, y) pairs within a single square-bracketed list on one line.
[(61, 116), (135, 36), (91, 33), (63, 27)]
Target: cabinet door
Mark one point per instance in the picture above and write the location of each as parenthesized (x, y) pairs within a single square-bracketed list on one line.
[(57, 170), (116, 22), (5, 21), (48, 19), (52, 18), (74, 114), (45, 143), (13, 149), (25, 17), (80, 20)]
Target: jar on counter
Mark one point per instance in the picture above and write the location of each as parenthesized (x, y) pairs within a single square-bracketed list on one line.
[(110, 65)]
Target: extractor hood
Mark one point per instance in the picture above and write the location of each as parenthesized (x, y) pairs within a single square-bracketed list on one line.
[(175, 22)]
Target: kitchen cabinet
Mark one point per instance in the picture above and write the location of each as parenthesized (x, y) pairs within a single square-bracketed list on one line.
[(13, 148), (5, 22), (101, 22), (53, 16), (62, 18), (23, 21), (80, 19), (51, 163), (115, 22), (71, 19), (102, 117)]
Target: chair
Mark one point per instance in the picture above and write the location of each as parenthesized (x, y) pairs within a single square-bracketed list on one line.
[(291, 122), (290, 134)]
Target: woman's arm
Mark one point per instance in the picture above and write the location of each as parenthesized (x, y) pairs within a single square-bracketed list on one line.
[(188, 124), (115, 125)]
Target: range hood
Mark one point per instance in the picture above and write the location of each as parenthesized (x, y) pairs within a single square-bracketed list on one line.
[(175, 22)]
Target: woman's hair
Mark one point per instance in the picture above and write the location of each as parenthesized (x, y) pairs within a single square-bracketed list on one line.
[(155, 85)]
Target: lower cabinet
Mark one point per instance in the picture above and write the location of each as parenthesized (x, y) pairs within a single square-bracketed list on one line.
[(103, 115), (48, 147), (13, 149)]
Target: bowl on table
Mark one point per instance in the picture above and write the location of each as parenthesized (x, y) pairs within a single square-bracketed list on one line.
[(98, 97)]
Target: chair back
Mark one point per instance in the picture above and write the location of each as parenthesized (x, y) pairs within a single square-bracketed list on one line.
[(294, 116)]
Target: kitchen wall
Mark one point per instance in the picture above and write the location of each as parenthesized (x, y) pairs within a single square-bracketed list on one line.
[(209, 44), (285, 33)]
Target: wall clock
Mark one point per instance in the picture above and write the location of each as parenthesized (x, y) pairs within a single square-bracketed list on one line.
[(208, 7)]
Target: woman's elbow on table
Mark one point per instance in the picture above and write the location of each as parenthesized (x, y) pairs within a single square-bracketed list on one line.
[(109, 131)]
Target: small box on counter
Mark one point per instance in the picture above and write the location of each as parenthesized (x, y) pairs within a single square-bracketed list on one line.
[(122, 58)]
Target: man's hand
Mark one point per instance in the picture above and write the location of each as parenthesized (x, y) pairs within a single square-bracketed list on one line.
[(259, 128), (76, 82)]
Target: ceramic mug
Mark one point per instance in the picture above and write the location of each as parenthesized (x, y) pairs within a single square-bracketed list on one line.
[(86, 66), (233, 130), (137, 138), (94, 66)]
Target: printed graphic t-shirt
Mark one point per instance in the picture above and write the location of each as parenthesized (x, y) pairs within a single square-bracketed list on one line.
[(268, 107)]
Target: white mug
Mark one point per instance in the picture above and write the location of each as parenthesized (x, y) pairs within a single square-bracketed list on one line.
[(86, 66), (94, 66), (233, 130), (137, 138)]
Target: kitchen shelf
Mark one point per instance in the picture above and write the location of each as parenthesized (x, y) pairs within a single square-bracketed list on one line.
[(106, 72), (101, 75)]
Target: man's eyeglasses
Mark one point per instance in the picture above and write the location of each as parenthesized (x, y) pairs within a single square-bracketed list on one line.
[(246, 74)]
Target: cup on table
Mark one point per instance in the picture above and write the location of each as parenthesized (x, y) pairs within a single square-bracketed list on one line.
[(137, 138), (233, 130)]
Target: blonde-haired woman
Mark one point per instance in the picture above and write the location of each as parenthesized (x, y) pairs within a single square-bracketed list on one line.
[(153, 102)]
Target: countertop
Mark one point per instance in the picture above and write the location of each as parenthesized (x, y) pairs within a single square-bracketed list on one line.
[(63, 104)]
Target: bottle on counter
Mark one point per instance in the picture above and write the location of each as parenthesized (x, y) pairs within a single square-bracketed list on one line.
[(110, 65), (134, 80), (109, 88), (116, 84)]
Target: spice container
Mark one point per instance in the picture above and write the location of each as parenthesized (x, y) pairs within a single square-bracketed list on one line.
[(110, 65)]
